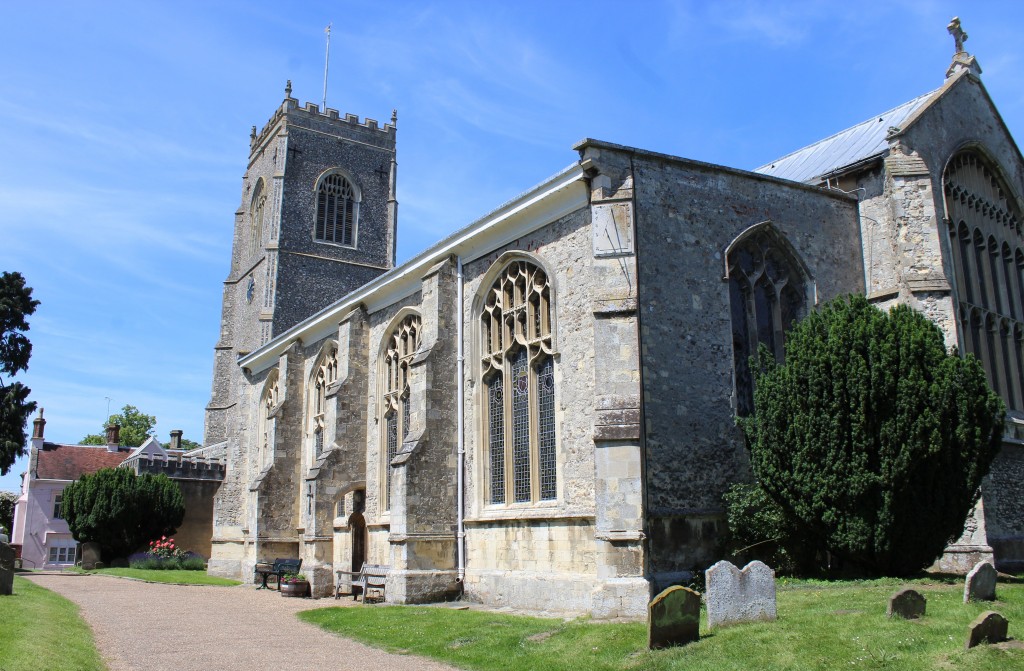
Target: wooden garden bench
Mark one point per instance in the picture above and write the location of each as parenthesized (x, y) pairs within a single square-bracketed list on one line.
[(369, 577)]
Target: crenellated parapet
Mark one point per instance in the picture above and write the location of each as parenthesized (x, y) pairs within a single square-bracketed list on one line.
[(290, 109), (178, 467)]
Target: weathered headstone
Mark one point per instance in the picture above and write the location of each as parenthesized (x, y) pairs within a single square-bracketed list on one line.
[(6, 569), (989, 627), (980, 584), (739, 596), (673, 618), (90, 555), (906, 603)]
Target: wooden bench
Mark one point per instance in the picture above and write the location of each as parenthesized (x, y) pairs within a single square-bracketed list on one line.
[(369, 577), (279, 568)]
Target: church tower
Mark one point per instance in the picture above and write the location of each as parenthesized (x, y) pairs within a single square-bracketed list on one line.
[(317, 220)]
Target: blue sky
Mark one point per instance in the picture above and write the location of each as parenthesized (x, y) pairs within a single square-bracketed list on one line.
[(124, 132)]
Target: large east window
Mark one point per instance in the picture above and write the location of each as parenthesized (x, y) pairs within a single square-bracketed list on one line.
[(519, 387), (402, 345), (984, 226), (337, 210)]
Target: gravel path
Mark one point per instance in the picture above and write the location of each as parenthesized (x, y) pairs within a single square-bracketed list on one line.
[(152, 627)]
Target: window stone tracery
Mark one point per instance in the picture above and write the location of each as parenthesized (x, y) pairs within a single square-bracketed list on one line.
[(767, 293), (402, 345), (268, 405), (337, 210), (987, 245), (518, 374), (325, 373)]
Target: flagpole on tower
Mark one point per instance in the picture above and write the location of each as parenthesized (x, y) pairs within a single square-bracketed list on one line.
[(327, 62)]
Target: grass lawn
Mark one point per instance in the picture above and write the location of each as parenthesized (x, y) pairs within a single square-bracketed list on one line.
[(174, 577), (821, 625), (42, 630)]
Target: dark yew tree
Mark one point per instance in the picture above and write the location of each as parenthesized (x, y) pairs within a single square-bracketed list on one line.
[(871, 437), (16, 304), (122, 511)]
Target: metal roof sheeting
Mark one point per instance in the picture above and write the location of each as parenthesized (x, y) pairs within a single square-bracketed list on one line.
[(845, 148)]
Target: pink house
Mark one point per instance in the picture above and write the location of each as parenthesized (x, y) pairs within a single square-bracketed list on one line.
[(39, 530)]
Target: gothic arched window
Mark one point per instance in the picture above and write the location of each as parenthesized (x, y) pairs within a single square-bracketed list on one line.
[(325, 373), (268, 404), (337, 210), (767, 293), (519, 386), (256, 208), (984, 227), (402, 345)]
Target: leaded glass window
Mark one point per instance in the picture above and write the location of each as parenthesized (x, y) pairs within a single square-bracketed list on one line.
[(401, 348), (337, 210), (767, 293), (325, 374), (986, 241), (518, 374)]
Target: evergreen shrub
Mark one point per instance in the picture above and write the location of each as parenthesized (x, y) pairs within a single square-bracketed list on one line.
[(872, 438)]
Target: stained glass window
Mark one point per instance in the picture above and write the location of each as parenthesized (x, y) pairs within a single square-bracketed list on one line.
[(518, 370), (767, 293), (336, 210), (401, 346)]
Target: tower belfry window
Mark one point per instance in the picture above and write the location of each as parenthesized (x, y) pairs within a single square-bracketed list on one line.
[(337, 210)]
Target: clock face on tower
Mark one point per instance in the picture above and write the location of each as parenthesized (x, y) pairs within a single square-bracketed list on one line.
[(251, 290)]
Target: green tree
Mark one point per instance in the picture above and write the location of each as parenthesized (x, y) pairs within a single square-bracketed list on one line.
[(16, 304), (871, 437), (7, 501), (136, 427), (122, 511)]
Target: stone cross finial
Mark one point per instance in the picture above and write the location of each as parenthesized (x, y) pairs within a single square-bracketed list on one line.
[(288, 86), (958, 34)]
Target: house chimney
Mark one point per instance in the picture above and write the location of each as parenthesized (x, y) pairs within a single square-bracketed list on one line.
[(113, 437), (176, 439), (38, 424)]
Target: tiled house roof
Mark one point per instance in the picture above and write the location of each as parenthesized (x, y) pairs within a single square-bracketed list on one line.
[(69, 462)]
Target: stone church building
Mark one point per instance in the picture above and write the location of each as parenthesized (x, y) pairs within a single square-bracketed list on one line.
[(539, 410)]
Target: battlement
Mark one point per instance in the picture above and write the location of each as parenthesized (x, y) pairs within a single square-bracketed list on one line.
[(178, 467), (311, 111)]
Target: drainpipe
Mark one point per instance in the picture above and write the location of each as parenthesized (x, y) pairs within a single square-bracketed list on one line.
[(460, 533)]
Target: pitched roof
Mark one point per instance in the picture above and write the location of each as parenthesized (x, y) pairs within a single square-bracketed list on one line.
[(69, 462), (845, 148)]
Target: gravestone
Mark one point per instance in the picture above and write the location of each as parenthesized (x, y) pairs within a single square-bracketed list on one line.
[(989, 627), (980, 584), (673, 618), (739, 596), (906, 603), (6, 569), (90, 555)]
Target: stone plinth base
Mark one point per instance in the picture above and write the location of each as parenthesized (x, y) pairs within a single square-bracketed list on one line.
[(421, 586), (960, 559), (560, 593)]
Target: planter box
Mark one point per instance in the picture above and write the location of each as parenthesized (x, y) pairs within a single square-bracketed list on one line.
[(297, 589)]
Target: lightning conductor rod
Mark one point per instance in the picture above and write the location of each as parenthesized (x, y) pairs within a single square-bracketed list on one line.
[(327, 62)]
